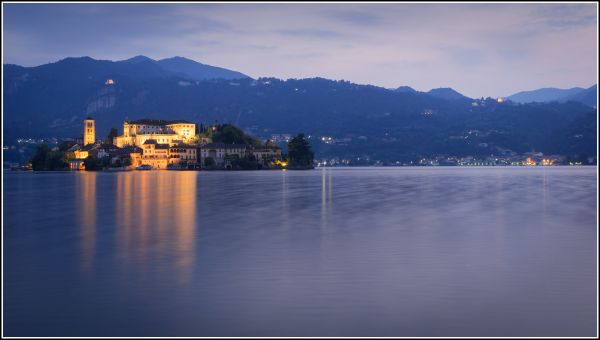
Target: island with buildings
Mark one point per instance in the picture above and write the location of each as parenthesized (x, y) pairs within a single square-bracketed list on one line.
[(147, 144)]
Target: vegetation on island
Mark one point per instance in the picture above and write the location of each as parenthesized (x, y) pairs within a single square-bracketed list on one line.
[(228, 134), (46, 158), (111, 135), (92, 163), (300, 155)]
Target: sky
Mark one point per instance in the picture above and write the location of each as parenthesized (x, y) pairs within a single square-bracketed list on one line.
[(477, 49)]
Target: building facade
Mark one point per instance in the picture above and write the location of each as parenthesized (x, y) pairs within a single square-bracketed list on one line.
[(162, 155), (221, 153), (89, 131), (137, 132), (183, 154)]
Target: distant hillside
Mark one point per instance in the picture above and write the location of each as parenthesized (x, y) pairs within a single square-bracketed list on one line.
[(362, 120), (187, 68), (406, 89), (588, 96), (446, 93), (550, 94), (198, 71)]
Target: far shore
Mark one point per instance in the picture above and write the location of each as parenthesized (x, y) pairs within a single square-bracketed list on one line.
[(314, 168)]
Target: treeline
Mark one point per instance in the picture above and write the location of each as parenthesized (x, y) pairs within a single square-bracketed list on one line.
[(46, 158)]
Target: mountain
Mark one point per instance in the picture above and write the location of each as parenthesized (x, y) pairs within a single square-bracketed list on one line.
[(588, 96), (198, 71), (187, 68), (363, 120), (542, 95), (446, 93), (406, 89), (550, 94)]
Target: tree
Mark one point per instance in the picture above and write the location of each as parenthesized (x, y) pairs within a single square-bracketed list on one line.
[(299, 153), (64, 146), (230, 134), (245, 163), (91, 163), (38, 161), (111, 135), (46, 159)]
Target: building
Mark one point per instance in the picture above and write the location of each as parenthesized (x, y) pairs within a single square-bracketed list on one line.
[(266, 154), (162, 155), (160, 143), (126, 156), (79, 153), (85, 147), (137, 132), (82, 152), (89, 131), (220, 152), (155, 154), (183, 154)]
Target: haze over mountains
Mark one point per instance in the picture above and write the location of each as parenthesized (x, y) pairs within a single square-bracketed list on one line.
[(587, 96), (363, 120)]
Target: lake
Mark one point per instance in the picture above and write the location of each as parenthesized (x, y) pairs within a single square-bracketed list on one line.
[(431, 251)]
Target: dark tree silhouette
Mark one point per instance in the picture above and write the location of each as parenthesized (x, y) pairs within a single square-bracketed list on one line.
[(299, 153), (112, 134)]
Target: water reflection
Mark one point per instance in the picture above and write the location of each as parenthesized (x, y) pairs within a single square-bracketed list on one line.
[(185, 224), (284, 201), (86, 186), (155, 219), (402, 252), (326, 197)]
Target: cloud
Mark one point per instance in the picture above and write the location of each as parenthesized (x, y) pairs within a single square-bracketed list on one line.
[(387, 44), (355, 17), (310, 33), (564, 16)]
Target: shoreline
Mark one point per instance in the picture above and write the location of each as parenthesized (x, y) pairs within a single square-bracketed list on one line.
[(315, 168)]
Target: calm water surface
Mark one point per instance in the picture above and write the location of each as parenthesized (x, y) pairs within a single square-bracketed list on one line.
[(329, 252)]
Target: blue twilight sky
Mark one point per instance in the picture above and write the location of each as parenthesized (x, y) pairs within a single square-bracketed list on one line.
[(477, 49)]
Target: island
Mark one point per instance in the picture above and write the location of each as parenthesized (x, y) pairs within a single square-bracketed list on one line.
[(156, 144)]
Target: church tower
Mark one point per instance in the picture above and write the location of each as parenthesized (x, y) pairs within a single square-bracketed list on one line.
[(89, 131)]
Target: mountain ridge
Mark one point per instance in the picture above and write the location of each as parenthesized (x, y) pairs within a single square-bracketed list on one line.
[(447, 93), (53, 99), (549, 94)]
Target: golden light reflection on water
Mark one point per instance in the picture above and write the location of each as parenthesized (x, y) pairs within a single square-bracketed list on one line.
[(185, 229), (86, 185), (155, 220), (284, 201), (326, 199)]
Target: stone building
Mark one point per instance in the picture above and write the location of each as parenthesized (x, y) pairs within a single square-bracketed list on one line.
[(221, 153), (137, 132), (89, 131), (183, 153)]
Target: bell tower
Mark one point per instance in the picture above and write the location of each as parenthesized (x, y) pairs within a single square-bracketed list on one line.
[(89, 131)]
